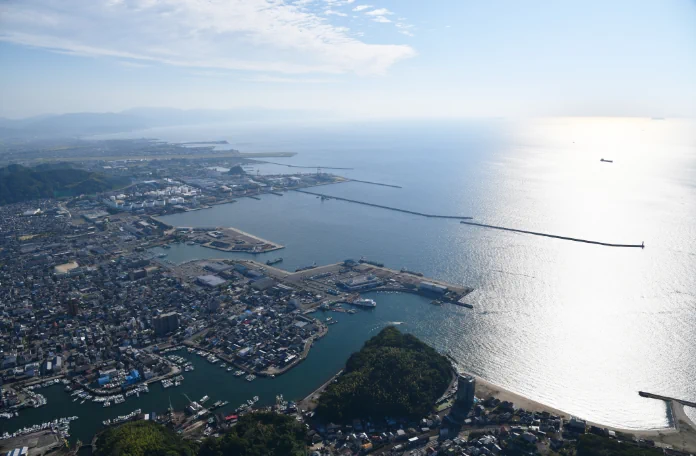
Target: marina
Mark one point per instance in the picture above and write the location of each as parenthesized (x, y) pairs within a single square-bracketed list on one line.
[(326, 357)]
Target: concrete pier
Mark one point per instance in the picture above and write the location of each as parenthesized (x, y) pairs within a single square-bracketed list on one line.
[(565, 238), (405, 211)]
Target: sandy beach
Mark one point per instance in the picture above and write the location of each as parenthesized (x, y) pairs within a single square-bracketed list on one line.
[(682, 436)]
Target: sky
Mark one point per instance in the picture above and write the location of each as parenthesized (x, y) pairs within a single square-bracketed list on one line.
[(352, 58)]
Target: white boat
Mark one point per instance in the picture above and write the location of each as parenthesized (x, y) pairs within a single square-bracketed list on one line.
[(365, 302)]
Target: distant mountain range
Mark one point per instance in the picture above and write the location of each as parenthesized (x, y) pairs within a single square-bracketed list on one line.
[(90, 123)]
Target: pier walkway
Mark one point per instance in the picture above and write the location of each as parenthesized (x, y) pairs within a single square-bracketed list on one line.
[(385, 207), (667, 398), (565, 238)]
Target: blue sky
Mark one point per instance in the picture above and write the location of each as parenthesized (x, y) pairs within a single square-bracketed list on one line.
[(382, 58)]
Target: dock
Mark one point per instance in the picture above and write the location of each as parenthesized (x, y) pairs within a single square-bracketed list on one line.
[(565, 238), (667, 398), (389, 208), (321, 279)]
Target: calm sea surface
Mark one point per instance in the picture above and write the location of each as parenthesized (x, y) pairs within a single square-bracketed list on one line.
[(579, 327)]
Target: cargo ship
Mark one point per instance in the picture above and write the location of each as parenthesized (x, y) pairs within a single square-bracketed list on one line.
[(272, 262)]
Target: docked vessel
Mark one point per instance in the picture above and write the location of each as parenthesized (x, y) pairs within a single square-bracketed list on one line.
[(276, 261), (306, 268), (364, 302), (406, 271), (372, 263)]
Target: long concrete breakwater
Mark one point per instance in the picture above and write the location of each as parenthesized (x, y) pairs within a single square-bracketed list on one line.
[(565, 238), (666, 398), (303, 167), (375, 183), (389, 208)]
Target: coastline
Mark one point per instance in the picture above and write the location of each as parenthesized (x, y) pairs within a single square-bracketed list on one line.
[(682, 435)]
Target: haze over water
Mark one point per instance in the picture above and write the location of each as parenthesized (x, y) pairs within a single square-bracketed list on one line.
[(579, 327)]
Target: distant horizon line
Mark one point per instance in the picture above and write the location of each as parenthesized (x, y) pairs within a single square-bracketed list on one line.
[(127, 111)]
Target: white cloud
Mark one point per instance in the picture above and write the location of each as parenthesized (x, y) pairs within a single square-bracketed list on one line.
[(380, 19), (130, 64), (330, 12), (379, 12), (362, 7), (282, 80), (378, 15), (255, 35), (405, 29)]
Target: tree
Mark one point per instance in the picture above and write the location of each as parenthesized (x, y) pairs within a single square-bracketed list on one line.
[(394, 374)]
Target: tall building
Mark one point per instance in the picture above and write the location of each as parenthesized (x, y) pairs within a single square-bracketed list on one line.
[(73, 307), (166, 323), (466, 387)]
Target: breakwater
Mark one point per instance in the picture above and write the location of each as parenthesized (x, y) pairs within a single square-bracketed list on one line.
[(565, 238), (375, 183), (389, 208), (666, 398), (304, 167)]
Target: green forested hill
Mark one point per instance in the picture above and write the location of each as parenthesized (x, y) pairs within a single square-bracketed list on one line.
[(259, 434), (19, 183), (142, 438), (394, 374)]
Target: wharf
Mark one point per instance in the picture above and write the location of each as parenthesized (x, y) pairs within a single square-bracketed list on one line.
[(322, 278), (40, 442), (565, 238), (405, 211), (228, 239)]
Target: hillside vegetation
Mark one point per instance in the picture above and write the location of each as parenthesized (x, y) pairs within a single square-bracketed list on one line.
[(19, 183), (142, 438), (393, 375), (594, 445), (259, 434)]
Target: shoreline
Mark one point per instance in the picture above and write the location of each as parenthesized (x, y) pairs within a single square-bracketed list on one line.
[(682, 434)]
